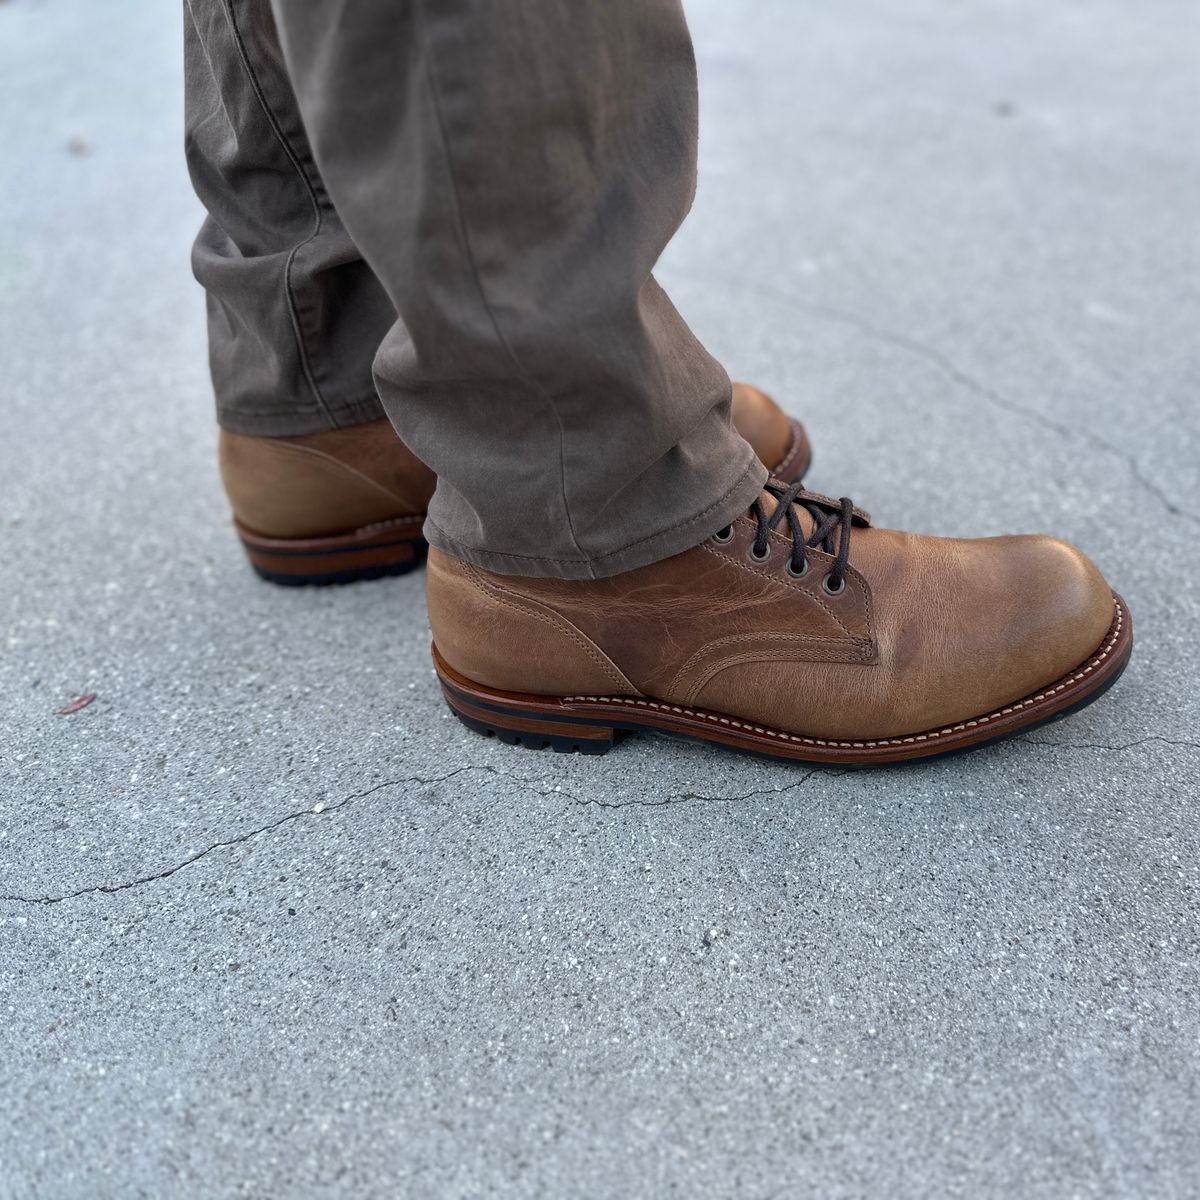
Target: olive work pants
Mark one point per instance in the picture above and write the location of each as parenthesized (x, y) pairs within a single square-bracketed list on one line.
[(448, 212)]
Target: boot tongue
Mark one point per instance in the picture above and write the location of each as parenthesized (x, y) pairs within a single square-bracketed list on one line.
[(770, 505), (861, 516)]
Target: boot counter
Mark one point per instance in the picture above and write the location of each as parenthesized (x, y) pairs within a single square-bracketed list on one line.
[(286, 491), (493, 635)]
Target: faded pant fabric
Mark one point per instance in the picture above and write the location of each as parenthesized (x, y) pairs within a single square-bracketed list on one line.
[(449, 212)]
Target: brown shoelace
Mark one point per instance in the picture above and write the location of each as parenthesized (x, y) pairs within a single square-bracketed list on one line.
[(831, 533)]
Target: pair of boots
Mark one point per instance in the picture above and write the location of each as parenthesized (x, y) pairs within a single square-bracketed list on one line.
[(800, 631)]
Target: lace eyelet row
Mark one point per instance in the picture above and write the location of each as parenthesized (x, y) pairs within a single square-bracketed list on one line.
[(724, 536)]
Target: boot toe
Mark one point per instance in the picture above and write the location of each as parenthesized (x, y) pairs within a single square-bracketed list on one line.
[(984, 623), (1060, 609)]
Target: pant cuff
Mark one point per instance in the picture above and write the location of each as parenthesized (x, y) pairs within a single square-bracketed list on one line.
[(292, 422), (683, 533)]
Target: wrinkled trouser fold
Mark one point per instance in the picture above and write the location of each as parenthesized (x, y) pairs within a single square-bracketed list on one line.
[(471, 195)]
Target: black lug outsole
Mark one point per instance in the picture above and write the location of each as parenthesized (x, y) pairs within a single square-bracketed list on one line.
[(531, 741), (337, 578)]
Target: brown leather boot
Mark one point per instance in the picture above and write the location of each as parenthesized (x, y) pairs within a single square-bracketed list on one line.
[(800, 632), (349, 504)]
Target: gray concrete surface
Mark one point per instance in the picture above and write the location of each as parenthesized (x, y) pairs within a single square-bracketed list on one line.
[(273, 925)]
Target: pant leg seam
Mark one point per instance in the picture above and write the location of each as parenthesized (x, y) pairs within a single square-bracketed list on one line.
[(431, 79), (314, 200)]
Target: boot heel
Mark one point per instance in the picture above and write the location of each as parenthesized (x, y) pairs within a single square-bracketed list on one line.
[(389, 548), (561, 737), (520, 720)]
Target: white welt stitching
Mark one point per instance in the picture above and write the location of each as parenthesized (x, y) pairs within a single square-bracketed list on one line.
[(716, 719)]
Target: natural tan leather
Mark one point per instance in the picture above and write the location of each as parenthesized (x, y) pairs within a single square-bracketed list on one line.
[(345, 479), (496, 633), (928, 630), (762, 423), (323, 483)]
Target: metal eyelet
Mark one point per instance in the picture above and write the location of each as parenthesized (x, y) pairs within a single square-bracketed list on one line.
[(759, 558), (831, 591), (793, 573), (723, 535)]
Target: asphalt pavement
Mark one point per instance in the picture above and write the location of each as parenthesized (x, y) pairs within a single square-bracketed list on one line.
[(272, 924)]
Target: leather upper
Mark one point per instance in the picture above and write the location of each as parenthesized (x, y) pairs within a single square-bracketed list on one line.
[(928, 631), (762, 423), (323, 483)]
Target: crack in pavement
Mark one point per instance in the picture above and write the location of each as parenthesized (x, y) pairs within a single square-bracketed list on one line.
[(534, 786), (684, 797), (1166, 741), (107, 889), (531, 785), (949, 368)]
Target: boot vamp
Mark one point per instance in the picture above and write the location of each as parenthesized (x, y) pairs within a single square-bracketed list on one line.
[(960, 628)]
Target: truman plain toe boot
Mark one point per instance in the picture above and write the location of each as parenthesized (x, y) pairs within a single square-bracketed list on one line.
[(800, 631), (350, 504)]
